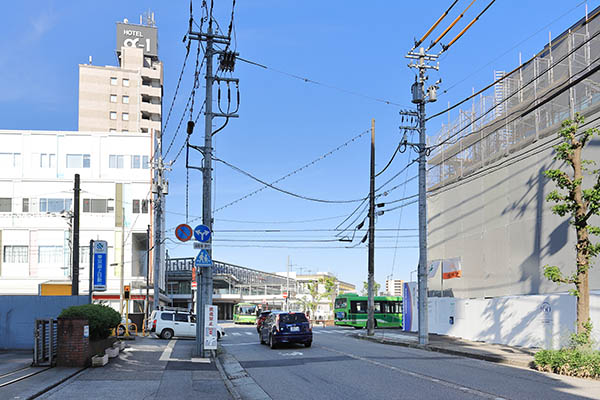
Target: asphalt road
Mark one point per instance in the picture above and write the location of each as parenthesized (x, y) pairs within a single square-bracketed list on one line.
[(340, 366)]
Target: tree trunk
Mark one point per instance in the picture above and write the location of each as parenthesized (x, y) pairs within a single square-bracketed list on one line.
[(582, 246)]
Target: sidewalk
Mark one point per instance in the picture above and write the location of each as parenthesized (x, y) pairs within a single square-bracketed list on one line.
[(518, 356), (148, 368)]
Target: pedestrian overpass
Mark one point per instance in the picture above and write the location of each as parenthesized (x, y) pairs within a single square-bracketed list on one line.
[(231, 284)]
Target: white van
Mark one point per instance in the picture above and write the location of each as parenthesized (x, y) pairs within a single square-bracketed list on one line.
[(167, 324)]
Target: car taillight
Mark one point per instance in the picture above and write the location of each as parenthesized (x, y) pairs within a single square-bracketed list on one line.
[(154, 324)]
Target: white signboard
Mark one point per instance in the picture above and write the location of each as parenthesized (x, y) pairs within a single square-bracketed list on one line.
[(210, 326)]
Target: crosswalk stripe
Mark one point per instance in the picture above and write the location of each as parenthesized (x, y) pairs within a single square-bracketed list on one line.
[(248, 333), (236, 334)]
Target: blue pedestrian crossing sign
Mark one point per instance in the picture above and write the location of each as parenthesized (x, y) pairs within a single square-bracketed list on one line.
[(203, 259), (202, 233)]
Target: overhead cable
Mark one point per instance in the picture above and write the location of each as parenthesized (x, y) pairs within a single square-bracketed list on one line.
[(449, 27), (465, 29), (434, 25)]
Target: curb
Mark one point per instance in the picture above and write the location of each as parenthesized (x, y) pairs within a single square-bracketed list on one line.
[(63, 380), (484, 357), (242, 384), (232, 390)]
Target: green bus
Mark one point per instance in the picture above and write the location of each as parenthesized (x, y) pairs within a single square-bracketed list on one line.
[(351, 310), (244, 313)]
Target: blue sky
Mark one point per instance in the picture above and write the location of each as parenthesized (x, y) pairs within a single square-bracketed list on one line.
[(284, 122)]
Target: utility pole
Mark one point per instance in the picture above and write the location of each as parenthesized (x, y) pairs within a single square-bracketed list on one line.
[(122, 262), (91, 265), (75, 275), (158, 187), (204, 276), (287, 286), (419, 98), (147, 302), (371, 275)]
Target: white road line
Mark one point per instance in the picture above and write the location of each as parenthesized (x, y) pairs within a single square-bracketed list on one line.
[(240, 344), (421, 376), (166, 354), (236, 333), (249, 333)]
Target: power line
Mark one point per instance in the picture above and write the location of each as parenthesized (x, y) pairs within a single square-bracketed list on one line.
[(249, 175), (509, 50), (308, 80), (296, 170)]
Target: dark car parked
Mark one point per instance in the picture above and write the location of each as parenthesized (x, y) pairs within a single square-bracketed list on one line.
[(261, 318), (286, 327)]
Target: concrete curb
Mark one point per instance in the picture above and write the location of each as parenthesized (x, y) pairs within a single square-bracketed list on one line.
[(60, 382), (232, 390), (243, 384), (484, 357)]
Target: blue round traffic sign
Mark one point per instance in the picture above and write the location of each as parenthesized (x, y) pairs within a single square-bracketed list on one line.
[(202, 233), (183, 232)]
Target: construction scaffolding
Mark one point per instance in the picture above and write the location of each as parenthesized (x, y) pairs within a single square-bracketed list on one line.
[(523, 106)]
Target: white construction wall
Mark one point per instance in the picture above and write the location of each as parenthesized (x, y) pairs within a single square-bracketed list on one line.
[(544, 321)]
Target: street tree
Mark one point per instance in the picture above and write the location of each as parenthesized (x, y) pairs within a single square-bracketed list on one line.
[(365, 290), (329, 290), (580, 205)]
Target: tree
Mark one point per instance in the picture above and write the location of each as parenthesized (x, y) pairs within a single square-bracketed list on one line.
[(365, 291), (580, 204), (330, 290)]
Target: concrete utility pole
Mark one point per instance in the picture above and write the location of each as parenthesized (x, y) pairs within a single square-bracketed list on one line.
[(287, 286), (157, 190), (75, 275), (122, 262), (419, 98), (371, 275), (204, 276)]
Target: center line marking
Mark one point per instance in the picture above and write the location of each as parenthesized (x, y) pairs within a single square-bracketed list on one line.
[(166, 354)]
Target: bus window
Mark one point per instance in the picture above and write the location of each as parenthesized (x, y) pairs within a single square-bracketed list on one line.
[(378, 306), (385, 307), (358, 307), (341, 303)]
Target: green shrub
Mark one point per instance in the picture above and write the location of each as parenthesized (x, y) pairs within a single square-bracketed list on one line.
[(101, 319), (583, 363)]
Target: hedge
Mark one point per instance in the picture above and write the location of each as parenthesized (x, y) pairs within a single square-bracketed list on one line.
[(101, 319), (583, 363)]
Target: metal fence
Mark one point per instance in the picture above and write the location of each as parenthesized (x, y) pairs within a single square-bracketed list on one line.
[(45, 337), (527, 104)]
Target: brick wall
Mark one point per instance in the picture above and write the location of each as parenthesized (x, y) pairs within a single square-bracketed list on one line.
[(73, 348)]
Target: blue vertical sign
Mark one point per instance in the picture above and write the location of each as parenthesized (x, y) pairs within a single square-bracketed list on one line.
[(99, 255)]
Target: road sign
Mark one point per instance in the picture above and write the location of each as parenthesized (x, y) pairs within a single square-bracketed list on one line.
[(99, 255), (202, 233), (284, 294), (203, 259), (206, 246), (183, 232)]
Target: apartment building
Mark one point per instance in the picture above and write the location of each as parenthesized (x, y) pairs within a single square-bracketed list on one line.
[(393, 287)]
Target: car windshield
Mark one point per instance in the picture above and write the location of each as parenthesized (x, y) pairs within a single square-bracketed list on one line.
[(292, 318), (247, 310), (265, 313)]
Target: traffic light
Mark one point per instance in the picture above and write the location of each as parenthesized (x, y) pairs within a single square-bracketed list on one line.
[(126, 290)]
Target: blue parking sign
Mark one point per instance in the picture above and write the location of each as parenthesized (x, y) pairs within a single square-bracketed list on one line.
[(99, 253)]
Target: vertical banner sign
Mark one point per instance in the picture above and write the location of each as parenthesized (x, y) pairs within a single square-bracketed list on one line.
[(100, 252), (210, 325)]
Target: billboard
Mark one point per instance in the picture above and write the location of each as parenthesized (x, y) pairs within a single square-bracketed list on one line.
[(141, 36)]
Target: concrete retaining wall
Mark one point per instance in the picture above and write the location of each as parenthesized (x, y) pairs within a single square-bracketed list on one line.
[(18, 315)]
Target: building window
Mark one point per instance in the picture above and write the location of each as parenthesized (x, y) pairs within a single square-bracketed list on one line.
[(47, 160), (50, 255), (113, 98), (5, 204), (25, 204), (115, 161), (135, 162), (125, 99), (55, 205), (112, 130), (113, 115), (113, 81), (125, 131), (84, 255), (10, 160), (125, 116), (95, 205), (136, 206), (78, 160), (125, 82), (16, 254), (144, 206), (145, 162)]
